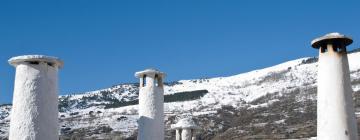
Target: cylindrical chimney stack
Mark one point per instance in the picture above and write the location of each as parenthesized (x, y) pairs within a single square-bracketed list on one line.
[(34, 114), (178, 134), (186, 134), (151, 105), (335, 110)]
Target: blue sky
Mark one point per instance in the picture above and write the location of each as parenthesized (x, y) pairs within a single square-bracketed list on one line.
[(104, 42)]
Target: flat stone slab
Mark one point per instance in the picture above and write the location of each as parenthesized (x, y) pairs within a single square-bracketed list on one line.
[(185, 123), (149, 72), (333, 38), (14, 61)]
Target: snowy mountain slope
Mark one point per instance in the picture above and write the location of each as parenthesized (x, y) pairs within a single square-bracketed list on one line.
[(281, 98)]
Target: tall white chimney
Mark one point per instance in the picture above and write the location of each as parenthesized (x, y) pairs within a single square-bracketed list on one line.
[(151, 105), (34, 115), (335, 109)]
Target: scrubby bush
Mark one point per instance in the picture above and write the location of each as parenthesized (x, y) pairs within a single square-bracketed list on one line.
[(310, 60), (177, 97)]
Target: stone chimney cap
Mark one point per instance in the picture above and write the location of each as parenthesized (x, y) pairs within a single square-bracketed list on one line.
[(149, 72), (334, 38), (185, 123), (14, 61)]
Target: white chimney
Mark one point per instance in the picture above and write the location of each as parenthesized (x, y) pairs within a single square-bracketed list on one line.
[(151, 105), (34, 114), (185, 129), (335, 109)]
